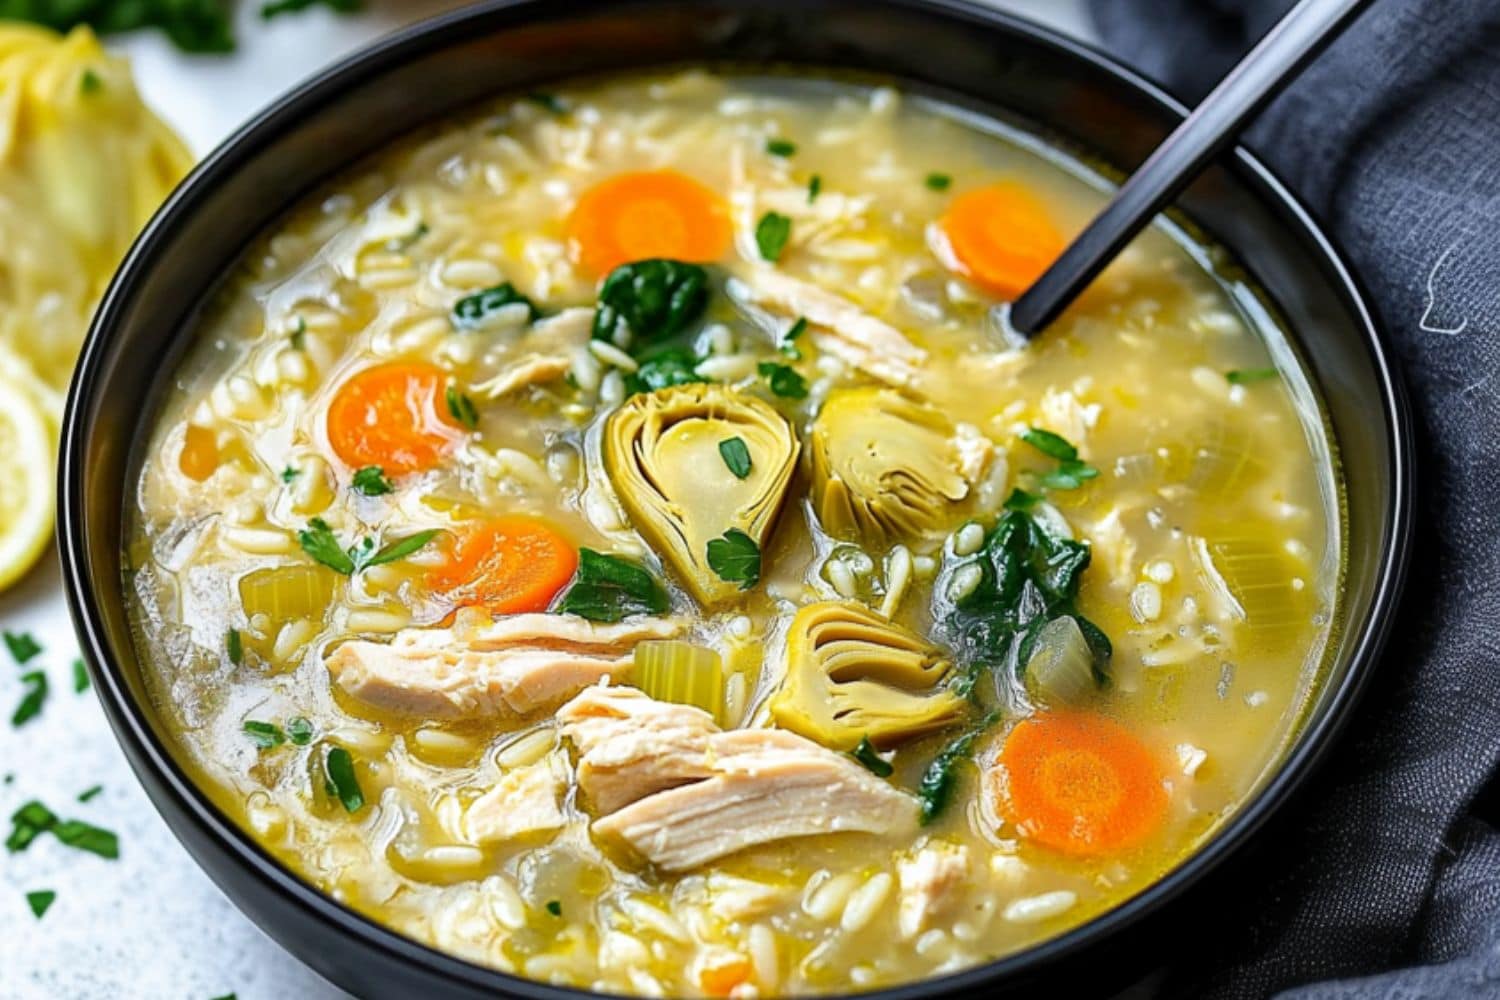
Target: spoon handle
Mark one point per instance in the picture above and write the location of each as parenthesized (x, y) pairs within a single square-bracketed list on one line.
[(1289, 46)]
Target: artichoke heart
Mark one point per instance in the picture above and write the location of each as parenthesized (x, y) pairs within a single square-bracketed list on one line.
[(886, 467), (853, 674), (661, 450)]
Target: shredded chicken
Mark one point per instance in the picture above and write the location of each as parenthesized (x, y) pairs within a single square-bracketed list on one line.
[(930, 882), (534, 369), (839, 327), (682, 792), (511, 667), (522, 803), (544, 353)]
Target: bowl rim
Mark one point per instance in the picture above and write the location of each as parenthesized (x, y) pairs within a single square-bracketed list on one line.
[(130, 720)]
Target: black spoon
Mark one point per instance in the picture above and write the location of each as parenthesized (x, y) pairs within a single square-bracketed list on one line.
[(1278, 57)]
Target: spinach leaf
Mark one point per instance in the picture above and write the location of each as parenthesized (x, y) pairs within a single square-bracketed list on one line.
[(867, 755), (936, 787), (278, 7), (371, 481), (649, 301), (736, 558), (607, 588), (474, 310), (668, 367), (1026, 578)]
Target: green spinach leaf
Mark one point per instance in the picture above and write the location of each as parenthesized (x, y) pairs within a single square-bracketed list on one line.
[(607, 588)]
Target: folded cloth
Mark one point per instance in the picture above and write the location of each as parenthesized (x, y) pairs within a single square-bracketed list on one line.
[(1387, 877)]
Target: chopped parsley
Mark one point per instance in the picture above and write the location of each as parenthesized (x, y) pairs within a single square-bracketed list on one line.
[(607, 588), (736, 456), (867, 755), (781, 147), (371, 481), (771, 234), (551, 102), (89, 794), (265, 735), (783, 380), (814, 188), (342, 783), (40, 901), (461, 407), (1070, 472), (299, 335), (34, 819), (400, 244), (192, 25), (274, 8), (735, 558), (234, 646), (1247, 376), (21, 645), (938, 182), (90, 82), (299, 731), (319, 542), (33, 700), (289, 473), (554, 907), (475, 310)]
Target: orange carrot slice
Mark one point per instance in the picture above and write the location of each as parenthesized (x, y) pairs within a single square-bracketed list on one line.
[(1002, 236), (719, 980), (508, 565), (200, 453), (651, 213), (1080, 784), (393, 416)]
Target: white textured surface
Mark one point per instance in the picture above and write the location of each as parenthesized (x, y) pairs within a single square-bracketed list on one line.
[(151, 925)]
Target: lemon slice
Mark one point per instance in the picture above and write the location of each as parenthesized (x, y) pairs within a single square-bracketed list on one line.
[(26, 487)]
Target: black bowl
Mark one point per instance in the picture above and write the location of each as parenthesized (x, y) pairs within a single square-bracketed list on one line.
[(970, 54)]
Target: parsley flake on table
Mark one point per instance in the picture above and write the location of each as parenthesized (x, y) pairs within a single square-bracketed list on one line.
[(22, 645), (40, 901), (33, 700)]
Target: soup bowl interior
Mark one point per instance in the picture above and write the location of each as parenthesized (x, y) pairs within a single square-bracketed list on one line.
[(963, 54)]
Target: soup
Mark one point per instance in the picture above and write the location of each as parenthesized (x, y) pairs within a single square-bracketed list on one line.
[(613, 538)]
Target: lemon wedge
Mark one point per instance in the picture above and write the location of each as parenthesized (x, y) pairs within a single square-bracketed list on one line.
[(26, 488)]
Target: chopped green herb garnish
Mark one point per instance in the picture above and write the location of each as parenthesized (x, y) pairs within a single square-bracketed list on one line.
[(475, 310), (607, 588), (556, 105), (265, 735), (780, 147), (771, 234), (40, 901), (234, 645), (649, 301), (867, 755), (299, 731), (371, 481), (89, 794), (1050, 444), (319, 542), (278, 7), (1245, 376), (192, 25), (461, 407), (938, 182), (735, 558), (783, 380), (554, 907), (343, 784), (289, 473), (400, 244), (1019, 499), (796, 330), (736, 456), (814, 188), (299, 335), (32, 700), (668, 367), (21, 645), (90, 82)]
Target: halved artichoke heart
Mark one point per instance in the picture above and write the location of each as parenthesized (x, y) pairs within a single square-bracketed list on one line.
[(885, 467), (661, 450), (853, 674)]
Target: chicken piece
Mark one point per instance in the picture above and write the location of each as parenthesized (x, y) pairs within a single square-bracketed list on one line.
[(523, 803), (682, 792), (930, 883), (632, 745), (534, 369), (509, 668), (839, 327), (543, 355)]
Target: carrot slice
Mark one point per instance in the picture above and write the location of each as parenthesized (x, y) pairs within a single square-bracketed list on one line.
[(508, 565), (393, 416), (1080, 784), (1002, 236), (720, 980), (200, 453), (650, 213)]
